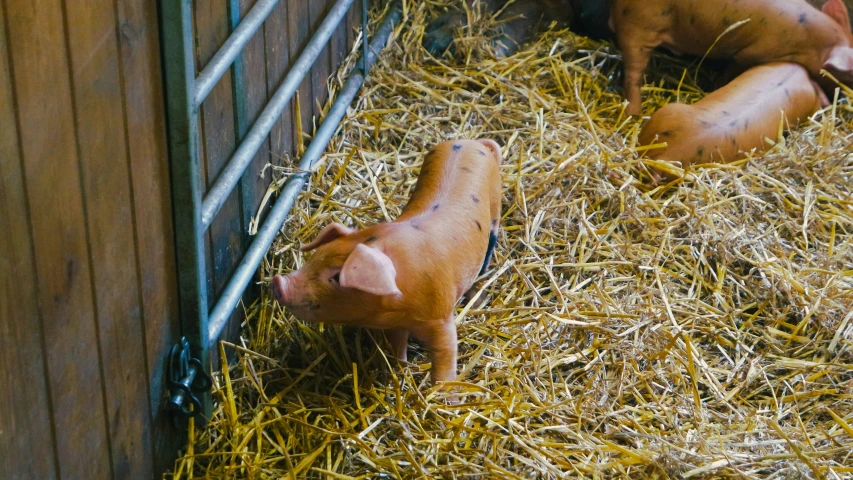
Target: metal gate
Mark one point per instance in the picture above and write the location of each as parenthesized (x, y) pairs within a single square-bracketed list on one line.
[(194, 213)]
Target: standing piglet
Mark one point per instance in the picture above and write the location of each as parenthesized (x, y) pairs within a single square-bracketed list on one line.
[(776, 31), (406, 276), (734, 119)]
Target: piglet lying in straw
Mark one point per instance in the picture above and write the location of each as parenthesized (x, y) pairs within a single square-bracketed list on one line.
[(773, 31), (734, 119), (406, 276)]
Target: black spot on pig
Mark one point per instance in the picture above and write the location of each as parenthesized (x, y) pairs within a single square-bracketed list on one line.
[(415, 226), (435, 207), (733, 123), (456, 147), (482, 153), (787, 93), (726, 113), (700, 151), (475, 199), (803, 19), (479, 227), (666, 133)]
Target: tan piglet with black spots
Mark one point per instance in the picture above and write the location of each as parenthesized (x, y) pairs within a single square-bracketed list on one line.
[(406, 276)]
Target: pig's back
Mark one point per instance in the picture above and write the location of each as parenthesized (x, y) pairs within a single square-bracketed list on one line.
[(455, 176), (776, 30), (448, 219)]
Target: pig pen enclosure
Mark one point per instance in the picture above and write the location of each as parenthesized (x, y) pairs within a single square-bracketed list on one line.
[(701, 329)]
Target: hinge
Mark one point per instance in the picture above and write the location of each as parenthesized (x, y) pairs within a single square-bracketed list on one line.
[(186, 378)]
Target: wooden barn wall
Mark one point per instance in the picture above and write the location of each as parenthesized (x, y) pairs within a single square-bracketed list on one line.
[(88, 302)]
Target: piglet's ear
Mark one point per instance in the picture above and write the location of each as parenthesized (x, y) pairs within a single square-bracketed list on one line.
[(331, 232), (493, 146), (369, 270), (837, 11), (840, 64)]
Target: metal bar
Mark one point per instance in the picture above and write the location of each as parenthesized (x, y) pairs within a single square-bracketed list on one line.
[(249, 265), (179, 66), (229, 177), (232, 47)]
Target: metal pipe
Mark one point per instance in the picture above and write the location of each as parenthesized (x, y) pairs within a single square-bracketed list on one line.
[(249, 265), (229, 177), (182, 120), (232, 47)]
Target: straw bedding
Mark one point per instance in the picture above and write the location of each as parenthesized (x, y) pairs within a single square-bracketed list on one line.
[(702, 329)]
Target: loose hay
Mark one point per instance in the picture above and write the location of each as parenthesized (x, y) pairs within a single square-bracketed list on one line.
[(700, 330)]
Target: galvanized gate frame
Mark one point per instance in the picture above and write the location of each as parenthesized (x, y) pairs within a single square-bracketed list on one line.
[(193, 214)]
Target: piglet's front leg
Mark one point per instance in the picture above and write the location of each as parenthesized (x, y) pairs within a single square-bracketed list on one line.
[(636, 46), (440, 339)]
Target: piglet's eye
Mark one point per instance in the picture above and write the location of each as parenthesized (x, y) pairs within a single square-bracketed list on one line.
[(336, 278)]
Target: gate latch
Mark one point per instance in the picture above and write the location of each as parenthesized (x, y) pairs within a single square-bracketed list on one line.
[(186, 378)]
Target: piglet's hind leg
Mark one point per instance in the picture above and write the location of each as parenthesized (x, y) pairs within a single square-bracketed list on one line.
[(398, 338)]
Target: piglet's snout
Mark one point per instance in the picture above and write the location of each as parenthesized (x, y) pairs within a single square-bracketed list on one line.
[(282, 289)]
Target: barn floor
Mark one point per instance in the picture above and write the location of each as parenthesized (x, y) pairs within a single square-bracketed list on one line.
[(702, 330)]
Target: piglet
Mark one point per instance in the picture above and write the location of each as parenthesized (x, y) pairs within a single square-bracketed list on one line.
[(735, 119), (406, 276), (777, 31)]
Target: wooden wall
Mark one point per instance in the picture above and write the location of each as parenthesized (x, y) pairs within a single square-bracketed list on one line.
[(88, 305)]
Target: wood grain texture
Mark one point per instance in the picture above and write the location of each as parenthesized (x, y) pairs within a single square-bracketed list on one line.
[(102, 147), (256, 96), (300, 30), (226, 233), (46, 121), (217, 132), (26, 438), (149, 168), (338, 42), (278, 61), (321, 70)]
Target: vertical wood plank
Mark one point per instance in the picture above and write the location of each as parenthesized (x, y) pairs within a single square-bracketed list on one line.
[(218, 130), (101, 141), (46, 122), (338, 41), (217, 126), (297, 14), (26, 439), (320, 71), (353, 23), (278, 61), (256, 96), (145, 118)]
